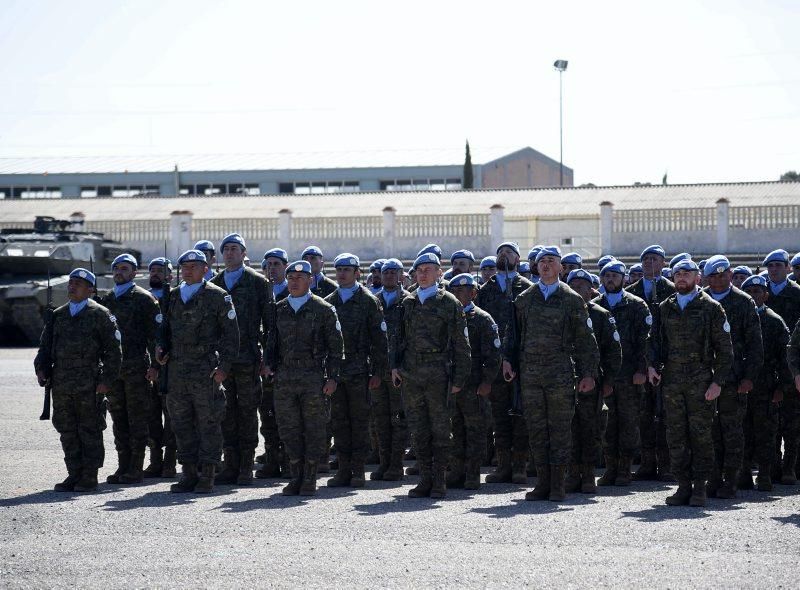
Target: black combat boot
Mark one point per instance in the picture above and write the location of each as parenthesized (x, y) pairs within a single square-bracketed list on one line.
[(87, 482), (663, 465), (156, 463), (745, 481), (395, 471), (357, 479), (727, 490), (623, 471), (205, 483), (788, 476), (519, 462), (456, 476), (682, 494), (309, 485), (472, 479), (188, 479), (609, 477), (270, 466), (246, 468), (414, 469), (439, 486), (557, 491), (296, 481), (383, 466), (502, 474), (68, 485), (572, 483), (134, 473), (283, 460), (230, 467), (714, 482), (343, 475), (764, 479), (423, 488), (124, 464), (647, 469), (588, 485), (542, 489), (168, 470), (698, 497)]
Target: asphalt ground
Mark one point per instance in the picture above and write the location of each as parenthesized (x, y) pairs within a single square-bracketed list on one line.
[(144, 536)]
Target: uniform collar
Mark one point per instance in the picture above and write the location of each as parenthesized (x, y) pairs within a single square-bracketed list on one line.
[(423, 294), (345, 293), (76, 308), (298, 302), (120, 290), (189, 291)]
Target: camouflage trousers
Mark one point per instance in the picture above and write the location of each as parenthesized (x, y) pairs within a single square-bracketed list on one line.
[(425, 395), (468, 418), (196, 406), (510, 432), (389, 417), (549, 406), (301, 412), (79, 416), (350, 416), (129, 406), (689, 422), (789, 425), (652, 425), (266, 409), (242, 399), (728, 430), (586, 428), (760, 427), (159, 425), (622, 431)]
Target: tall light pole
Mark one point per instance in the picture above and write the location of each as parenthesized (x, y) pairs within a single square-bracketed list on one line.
[(561, 66)]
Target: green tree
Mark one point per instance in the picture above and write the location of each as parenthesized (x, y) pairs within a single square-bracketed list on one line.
[(467, 181), (790, 176)]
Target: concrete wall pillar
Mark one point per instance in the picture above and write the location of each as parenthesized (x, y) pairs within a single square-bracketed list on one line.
[(268, 187), (180, 232), (606, 227), (70, 191), (285, 230), (723, 222), (496, 220), (167, 189), (389, 232)]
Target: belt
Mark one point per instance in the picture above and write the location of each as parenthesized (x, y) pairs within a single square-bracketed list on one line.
[(75, 364), (301, 363)]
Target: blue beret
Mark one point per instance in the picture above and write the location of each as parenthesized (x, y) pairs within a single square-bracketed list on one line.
[(524, 266), (595, 280), (702, 264), (513, 245), (346, 259), (613, 266), (548, 251), (462, 254), (311, 251), (603, 260), (796, 260), (534, 251), (755, 281), (572, 258), (432, 249), (654, 249), (377, 264), (125, 258), (743, 270), (392, 264), (764, 273), (579, 273), (715, 265), (204, 245), (300, 266), (678, 257), (279, 253), (463, 280), (635, 268), (489, 262), (86, 275), (160, 261), (777, 256), (426, 258), (685, 265), (193, 255), (666, 273), (233, 239)]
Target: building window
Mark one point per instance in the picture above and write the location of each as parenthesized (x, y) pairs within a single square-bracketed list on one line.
[(5, 192), (421, 184), (318, 187), (41, 192)]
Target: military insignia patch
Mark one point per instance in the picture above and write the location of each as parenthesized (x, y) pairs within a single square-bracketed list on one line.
[(616, 335), (228, 298), (589, 323), (466, 332), (113, 318), (648, 320), (232, 314), (726, 326), (159, 318), (338, 326), (383, 326), (118, 335), (497, 343)]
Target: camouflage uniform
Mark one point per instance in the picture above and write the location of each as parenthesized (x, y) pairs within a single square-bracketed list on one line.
[(137, 315), (322, 286), (748, 359), (365, 354), (431, 352), (77, 353), (655, 452), (303, 349), (695, 349), (252, 300), (555, 345), (510, 432)]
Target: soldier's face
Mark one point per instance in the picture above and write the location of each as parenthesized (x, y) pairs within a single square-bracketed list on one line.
[(123, 273), (78, 290), (487, 272), (777, 271), (759, 294), (316, 262), (375, 277), (634, 276), (796, 272), (738, 279), (461, 265), (720, 281), (211, 257), (685, 281), (652, 264), (612, 281), (232, 256), (549, 269), (567, 268), (582, 288), (298, 283), (193, 272), (158, 276), (275, 270), (346, 276), (507, 259), (427, 275), (390, 279), (465, 293)]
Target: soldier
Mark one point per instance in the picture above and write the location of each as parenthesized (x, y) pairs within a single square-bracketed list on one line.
[(488, 268), (304, 353), (623, 396), (761, 420), (430, 357), (635, 273), (695, 359), (137, 315), (387, 403), (252, 300), (467, 413), (461, 261), (208, 249), (740, 274), (79, 357), (374, 279), (586, 420), (784, 299), (321, 286), (748, 359), (532, 262), (569, 262), (525, 269), (274, 462), (199, 338), (795, 264), (654, 289), (555, 346), (365, 360), (510, 433)]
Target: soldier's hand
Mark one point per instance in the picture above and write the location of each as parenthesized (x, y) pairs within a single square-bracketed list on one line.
[(102, 388), (777, 396), (397, 380), (797, 383), (608, 389), (713, 392), (653, 376), (218, 375), (639, 378), (508, 372), (586, 384), (455, 389), (267, 371), (745, 386), (42, 378), (484, 389), (374, 382), (161, 358), (329, 387), (152, 374)]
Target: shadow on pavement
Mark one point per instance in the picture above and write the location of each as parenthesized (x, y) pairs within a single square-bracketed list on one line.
[(791, 519), (401, 503), (50, 497), (522, 507), (160, 499)]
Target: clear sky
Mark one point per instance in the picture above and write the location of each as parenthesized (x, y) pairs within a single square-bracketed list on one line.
[(704, 90)]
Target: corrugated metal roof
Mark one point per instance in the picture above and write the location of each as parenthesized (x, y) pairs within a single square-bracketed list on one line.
[(544, 202)]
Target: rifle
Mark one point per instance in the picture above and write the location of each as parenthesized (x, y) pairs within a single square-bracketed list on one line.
[(516, 399), (48, 319), (163, 372)]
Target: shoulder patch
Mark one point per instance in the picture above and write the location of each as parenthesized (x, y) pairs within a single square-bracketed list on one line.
[(113, 317), (383, 326), (232, 314), (726, 326), (611, 320), (228, 298), (648, 320), (338, 325), (466, 332), (497, 343), (589, 323), (118, 335), (616, 335), (159, 318)]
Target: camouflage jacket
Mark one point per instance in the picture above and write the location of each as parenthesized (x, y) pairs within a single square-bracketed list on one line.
[(324, 287), (787, 303), (608, 342), (748, 350), (633, 320), (364, 332), (393, 314), (775, 336), (138, 316), (695, 339), (497, 303), (88, 342), (793, 351), (664, 289), (204, 329), (430, 333), (310, 338), (255, 312), (484, 344)]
